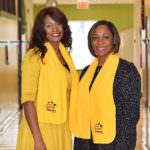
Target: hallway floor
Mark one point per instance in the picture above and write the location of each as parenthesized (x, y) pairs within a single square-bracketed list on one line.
[(9, 129)]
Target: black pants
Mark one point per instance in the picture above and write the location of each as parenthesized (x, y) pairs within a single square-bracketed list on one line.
[(82, 144)]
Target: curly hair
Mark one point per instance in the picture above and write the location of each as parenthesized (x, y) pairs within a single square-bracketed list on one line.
[(113, 30), (38, 36)]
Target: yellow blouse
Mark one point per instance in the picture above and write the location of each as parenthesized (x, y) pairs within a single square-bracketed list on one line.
[(30, 75)]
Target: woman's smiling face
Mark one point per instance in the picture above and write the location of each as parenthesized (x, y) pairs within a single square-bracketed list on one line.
[(102, 41), (54, 30)]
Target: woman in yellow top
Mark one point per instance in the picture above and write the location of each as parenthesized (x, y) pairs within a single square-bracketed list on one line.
[(46, 83)]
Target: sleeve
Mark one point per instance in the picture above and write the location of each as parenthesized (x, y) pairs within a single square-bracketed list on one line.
[(132, 95), (30, 77), (130, 109)]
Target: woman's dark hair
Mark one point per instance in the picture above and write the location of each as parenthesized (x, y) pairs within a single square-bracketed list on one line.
[(38, 36), (112, 29)]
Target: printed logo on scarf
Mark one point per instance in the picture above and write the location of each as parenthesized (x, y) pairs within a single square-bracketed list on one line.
[(51, 106), (98, 127)]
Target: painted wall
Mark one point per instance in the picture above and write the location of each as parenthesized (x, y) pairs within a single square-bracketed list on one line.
[(121, 15), (126, 47), (29, 17), (8, 72), (147, 7), (147, 13), (8, 28)]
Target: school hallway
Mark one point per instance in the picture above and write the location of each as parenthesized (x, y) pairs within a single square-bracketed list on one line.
[(132, 18), (9, 129)]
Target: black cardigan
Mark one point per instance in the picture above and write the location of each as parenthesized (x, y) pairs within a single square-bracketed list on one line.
[(127, 93)]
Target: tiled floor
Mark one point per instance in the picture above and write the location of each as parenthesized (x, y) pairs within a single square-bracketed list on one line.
[(8, 132), (146, 129), (9, 129)]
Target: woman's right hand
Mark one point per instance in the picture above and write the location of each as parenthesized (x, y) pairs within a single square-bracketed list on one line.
[(39, 145)]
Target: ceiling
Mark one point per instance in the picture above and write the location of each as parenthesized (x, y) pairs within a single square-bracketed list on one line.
[(90, 1)]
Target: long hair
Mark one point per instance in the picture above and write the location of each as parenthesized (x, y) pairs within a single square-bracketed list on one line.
[(38, 36), (113, 30)]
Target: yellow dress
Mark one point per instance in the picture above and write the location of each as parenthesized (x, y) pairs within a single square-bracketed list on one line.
[(56, 136)]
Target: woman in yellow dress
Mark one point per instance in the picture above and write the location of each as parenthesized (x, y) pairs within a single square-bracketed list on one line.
[(46, 84)]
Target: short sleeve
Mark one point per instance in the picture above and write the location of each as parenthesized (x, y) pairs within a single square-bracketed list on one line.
[(30, 76)]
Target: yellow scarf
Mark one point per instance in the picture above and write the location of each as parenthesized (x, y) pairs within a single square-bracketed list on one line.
[(51, 101), (95, 111)]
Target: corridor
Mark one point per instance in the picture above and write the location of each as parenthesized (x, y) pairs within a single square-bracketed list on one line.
[(132, 18), (9, 129)]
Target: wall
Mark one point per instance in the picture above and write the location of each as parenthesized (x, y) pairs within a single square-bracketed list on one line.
[(120, 15), (29, 17), (126, 48), (8, 28), (147, 13), (8, 71)]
